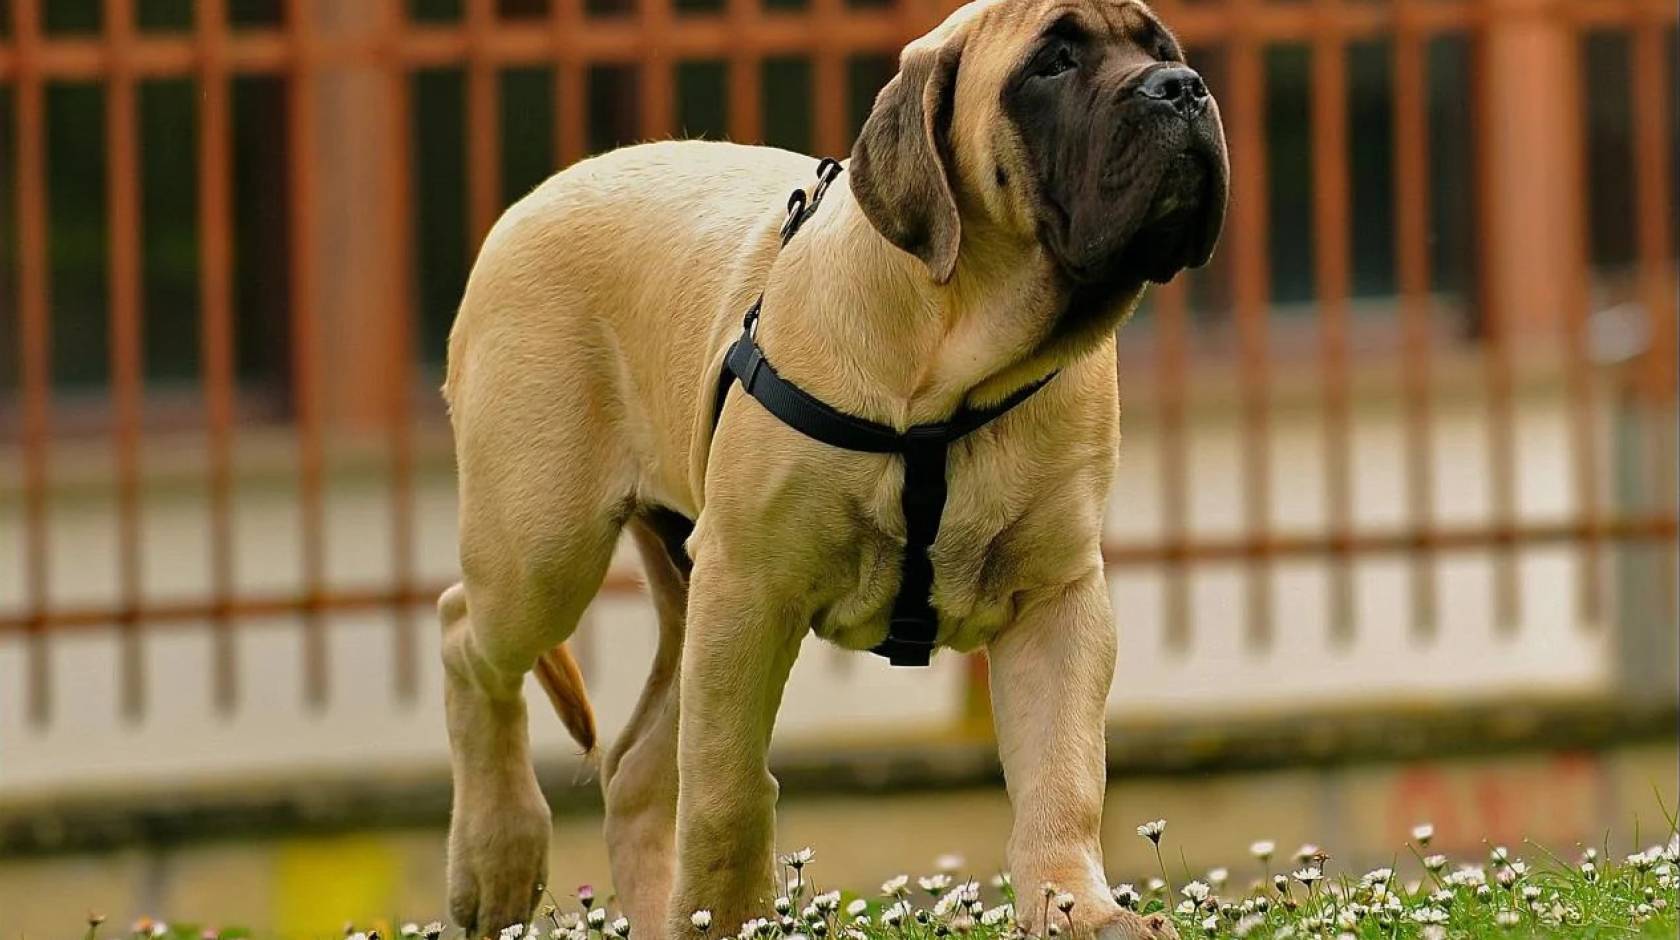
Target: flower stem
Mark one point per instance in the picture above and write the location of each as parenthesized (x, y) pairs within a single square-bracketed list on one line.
[(1161, 863)]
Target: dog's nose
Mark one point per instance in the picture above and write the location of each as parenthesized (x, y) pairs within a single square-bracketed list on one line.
[(1177, 87)]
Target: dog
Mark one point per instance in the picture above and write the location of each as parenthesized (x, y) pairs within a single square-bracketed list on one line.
[(1032, 166)]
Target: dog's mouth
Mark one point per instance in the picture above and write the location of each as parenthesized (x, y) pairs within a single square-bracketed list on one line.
[(1165, 234), (1182, 190), (1176, 224)]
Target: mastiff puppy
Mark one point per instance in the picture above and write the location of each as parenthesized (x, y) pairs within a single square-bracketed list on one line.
[(1032, 166)]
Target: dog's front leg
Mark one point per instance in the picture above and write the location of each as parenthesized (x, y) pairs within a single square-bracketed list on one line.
[(1050, 675), (736, 659)]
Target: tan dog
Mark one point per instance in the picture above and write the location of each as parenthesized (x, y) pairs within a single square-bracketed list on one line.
[(1032, 165)]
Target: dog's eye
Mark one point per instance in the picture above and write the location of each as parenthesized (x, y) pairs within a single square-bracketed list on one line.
[(1156, 42), (1056, 63)]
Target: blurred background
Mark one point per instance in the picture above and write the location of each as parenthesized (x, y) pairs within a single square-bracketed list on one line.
[(1392, 539)]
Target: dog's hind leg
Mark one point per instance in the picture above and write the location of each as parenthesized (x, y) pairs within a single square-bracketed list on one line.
[(538, 527), (639, 775)]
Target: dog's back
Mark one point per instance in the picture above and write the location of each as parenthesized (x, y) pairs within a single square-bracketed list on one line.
[(588, 233), (565, 284)]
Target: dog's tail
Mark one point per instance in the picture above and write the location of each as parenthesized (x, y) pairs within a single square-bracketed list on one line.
[(659, 538), (560, 677)]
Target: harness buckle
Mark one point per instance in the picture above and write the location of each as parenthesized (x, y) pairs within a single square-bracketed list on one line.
[(801, 206), (749, 322), (795, 214), (828, 169), (899, 649), (755, 361)]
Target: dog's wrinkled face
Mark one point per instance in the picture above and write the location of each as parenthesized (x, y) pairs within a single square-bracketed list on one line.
[(1124, 144), (1074, 123)]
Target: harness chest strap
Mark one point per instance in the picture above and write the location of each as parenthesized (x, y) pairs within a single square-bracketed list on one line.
[(914, 625)]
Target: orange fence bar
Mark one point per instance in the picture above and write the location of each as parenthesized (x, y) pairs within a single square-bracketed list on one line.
[(399, 366), (656, 76), (746, 76), (215, 244), (1653, 96), (620, 40), (1652, 528), (1498, 324), (1411, 211), (484, 126), (1172, 316), (301, 116), (1584, 426), (1245, 127), (34, 345), (123, 193), (1331, 256)]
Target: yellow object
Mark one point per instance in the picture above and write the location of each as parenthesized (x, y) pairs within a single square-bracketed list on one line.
[(322, 884)]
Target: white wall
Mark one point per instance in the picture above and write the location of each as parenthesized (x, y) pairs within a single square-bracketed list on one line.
[(835, 695)]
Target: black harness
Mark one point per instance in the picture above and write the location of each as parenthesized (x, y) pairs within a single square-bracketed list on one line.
[(914, 626)]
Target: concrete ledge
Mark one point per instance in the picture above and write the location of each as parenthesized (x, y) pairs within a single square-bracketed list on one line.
[(420, 797)]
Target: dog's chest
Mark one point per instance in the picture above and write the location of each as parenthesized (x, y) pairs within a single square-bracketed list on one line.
[(991, 547)]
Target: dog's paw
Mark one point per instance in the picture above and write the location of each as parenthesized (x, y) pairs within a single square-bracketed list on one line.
[(1131, 926), (498, 860)]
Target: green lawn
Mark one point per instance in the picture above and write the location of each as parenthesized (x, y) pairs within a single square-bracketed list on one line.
[(1519, 891)]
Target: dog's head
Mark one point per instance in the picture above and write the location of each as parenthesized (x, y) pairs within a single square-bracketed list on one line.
[(1074, 124)]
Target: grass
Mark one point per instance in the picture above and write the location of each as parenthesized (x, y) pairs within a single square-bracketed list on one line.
[(1429, 897)]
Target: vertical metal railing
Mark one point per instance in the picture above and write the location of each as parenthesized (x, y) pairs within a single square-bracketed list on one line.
[(1332, 193), (1245, 129), (123, 196), (1172, 332), (1416, 311), (1498, 323), (1576, 295), (301, 144), (35, 343), (398, 199), (216, 340), (653, 42), (1653, 116), (572, 123)]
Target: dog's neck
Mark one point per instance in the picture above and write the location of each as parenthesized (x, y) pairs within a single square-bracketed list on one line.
[(879, 338)]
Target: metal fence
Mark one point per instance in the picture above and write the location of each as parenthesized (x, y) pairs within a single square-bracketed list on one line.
[(1507, 39)]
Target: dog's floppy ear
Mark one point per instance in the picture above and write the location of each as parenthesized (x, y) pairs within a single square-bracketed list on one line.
[(900, 171)]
